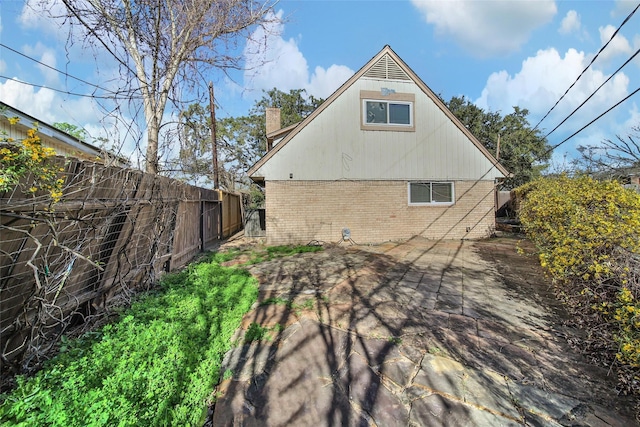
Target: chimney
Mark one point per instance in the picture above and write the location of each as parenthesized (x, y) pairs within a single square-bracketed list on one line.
[(273, 123)]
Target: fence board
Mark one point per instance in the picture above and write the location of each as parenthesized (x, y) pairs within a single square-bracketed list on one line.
[(210, 228), (114, 231), (232, 213)]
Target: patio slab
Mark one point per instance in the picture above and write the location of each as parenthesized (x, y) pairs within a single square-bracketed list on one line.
[(416, 333)]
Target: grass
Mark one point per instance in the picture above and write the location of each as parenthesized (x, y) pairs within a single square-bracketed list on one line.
[(157, 365), (395, 340), (256, 332), (258, 255)]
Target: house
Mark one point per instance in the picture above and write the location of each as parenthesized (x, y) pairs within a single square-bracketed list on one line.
[(381, 159), (633, 181), (63, 143)]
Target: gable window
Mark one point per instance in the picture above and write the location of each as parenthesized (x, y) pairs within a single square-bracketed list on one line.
[(387, 110), (431, 193)]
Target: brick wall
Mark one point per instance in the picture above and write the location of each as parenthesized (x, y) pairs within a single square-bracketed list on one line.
[(374, 211)]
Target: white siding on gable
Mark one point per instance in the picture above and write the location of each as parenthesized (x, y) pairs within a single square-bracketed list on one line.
[(333, 146)]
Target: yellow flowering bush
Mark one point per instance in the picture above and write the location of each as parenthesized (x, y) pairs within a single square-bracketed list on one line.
[(579, 224), (28, 159), (588, 236), (627, 316)]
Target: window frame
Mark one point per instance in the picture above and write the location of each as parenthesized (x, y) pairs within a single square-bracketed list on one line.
[(387, 98), (432, 203), (388, 112)]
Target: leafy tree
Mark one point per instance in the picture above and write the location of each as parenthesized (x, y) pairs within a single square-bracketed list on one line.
[(163, 47), (523, 151), (241, 140), (73, 130)]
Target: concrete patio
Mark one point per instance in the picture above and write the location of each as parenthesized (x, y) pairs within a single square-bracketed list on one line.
[(420, 333)]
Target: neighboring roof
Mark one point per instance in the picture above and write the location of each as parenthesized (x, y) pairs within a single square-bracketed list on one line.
[(371, 66), (49, 131), (282, 132)]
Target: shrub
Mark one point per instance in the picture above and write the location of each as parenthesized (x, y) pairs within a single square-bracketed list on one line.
[(27, 163), (588, 236)]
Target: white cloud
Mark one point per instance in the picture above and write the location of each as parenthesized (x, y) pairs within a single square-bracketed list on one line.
[(541, 81), (47, 56), (632, 122), (624, 7), (38, 15), (618, 46), (36, 103), (47, 106), (273, 61), (487, 28), (48, 19), (570, 23), (324, 82)]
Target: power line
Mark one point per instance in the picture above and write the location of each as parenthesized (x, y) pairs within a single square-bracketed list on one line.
[(115, 95), (65, 91), (590, 63), (590, 123), (594, 92), (53, 68)]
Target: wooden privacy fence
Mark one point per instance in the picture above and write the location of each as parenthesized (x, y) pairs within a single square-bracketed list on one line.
[(113, 232), (231, 213)]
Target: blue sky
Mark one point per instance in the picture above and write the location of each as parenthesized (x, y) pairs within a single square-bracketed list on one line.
[(496, 53)]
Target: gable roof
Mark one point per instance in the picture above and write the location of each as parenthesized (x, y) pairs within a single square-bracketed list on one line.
[(388, 65)]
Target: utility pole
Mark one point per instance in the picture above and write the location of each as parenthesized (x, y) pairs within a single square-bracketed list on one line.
[(214, 146), (214, 152), (498, 149)]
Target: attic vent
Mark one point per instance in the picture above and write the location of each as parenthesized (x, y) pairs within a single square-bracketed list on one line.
[(386, 68)]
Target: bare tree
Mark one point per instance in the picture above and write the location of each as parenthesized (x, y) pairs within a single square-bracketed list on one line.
[(163, 46), (611, 157)]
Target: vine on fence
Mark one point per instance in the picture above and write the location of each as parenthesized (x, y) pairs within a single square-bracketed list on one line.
[(79, 238), (588, 236), (109, 235)]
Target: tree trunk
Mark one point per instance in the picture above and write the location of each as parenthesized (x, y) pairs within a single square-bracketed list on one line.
[(152, 148)]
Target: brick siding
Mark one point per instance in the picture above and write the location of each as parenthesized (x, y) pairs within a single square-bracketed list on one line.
[(374, 211)]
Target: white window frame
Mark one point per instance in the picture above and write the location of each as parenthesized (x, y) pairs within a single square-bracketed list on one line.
[(388, 102), (432, 203)]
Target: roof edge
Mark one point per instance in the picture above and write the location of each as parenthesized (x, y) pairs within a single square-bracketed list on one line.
[(276, 133), (427, 90)]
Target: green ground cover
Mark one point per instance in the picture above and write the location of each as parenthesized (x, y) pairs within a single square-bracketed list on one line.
[(157, 365)]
